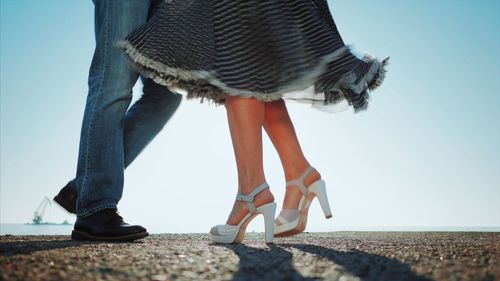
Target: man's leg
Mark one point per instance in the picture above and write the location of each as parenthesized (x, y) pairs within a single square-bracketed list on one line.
[(101, 160), (145, 119)]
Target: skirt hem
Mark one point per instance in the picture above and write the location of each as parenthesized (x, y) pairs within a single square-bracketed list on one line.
[(203, 84)]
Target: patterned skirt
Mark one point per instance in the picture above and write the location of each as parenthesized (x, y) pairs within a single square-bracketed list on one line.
[(267, 50)]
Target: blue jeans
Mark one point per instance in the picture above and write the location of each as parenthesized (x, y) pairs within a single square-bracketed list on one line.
[(112, 137)]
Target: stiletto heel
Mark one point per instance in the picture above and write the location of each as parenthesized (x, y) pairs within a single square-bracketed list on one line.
[(235, 233), (269, 211), (319, 189), (293, 221)]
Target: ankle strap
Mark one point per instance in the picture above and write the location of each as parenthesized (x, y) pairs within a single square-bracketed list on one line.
[(249, 198), (299, 182)]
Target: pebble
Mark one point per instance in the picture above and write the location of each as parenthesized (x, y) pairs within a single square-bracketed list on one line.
[(159, 277)]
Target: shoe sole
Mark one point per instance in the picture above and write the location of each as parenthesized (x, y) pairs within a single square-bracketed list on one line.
[(83, 236), (301, 226), (68, 206), (243, 229)]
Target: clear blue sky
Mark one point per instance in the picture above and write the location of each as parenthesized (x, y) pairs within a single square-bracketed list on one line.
[(426, 153)]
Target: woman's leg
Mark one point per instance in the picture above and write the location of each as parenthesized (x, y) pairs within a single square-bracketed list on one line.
[(280, 129), (246, 117)]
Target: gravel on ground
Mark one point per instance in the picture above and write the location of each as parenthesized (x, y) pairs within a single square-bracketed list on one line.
[(343, 256)]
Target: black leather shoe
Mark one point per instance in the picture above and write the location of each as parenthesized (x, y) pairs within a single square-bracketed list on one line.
[(106, 225), (67, 197)]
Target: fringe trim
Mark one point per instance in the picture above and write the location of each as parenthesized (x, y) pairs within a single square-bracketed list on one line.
[(357, 94), (205, 85)]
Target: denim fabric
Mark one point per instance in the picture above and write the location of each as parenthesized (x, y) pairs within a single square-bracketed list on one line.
[(112, 137)]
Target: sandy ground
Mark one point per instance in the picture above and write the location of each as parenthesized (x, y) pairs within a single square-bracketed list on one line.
[(340, 256)]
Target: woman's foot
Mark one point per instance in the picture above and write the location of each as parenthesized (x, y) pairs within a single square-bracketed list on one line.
[(293, 195), (234, 231), (301, 190), (240, 208)]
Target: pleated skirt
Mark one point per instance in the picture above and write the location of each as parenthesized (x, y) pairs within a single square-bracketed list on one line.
[(267, 50)]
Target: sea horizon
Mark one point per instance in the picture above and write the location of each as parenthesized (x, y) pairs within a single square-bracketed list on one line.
[(65, 229)]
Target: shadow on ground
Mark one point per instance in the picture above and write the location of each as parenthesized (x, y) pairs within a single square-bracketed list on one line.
[(28, 247), (366, 266), (276, 263), (273, 263)]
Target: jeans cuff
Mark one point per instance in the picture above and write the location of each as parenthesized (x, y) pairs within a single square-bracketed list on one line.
[(87, 212)]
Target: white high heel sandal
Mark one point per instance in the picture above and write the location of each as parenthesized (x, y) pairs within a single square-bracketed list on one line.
[(293, 221), (234, 233)]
